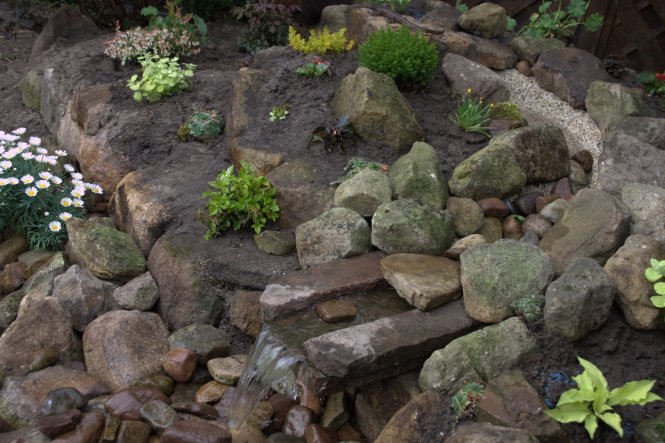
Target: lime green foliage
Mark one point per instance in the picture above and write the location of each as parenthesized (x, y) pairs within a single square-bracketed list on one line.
[(510, 26), (320, 42), (357, 164), (655, 275), (472, 114), (315, 69), (593, 400), (506, 111), (278, 113), (530, 307), (561, 23), (239, 201), (402, 56), (395, 5), (201, 126), (464, 402), (161, 77)]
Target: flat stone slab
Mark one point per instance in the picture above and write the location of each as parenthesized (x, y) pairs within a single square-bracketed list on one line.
[(424, 281), (297, 291), (371, 350)]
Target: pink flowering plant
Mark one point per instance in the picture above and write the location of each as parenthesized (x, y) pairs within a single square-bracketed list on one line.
[(38, 193)]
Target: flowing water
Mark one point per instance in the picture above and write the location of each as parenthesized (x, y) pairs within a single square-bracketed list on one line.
[(270, 362)]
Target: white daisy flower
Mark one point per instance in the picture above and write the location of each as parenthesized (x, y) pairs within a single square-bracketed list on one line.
[(78, 192), (28, 156), (42, 151), (43, 184), (11, 153), (13, 180), (51, 160), (78, 203), (4, 181), (77, 175), (69, 168), (10, 137), (23, 146), (64, 216), (45, 175), (56, 180), (96, 189), (5, 164), (55, 226), (40, 158), (35, 141), (31, 191), (66, 202), (19, 131), (61, 153), (78, 183), (27, 179)]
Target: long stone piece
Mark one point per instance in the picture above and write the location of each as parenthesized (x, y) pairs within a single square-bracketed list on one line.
[(299, 290), (360, 351)]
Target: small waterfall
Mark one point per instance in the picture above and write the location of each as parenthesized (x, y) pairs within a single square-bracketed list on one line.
[(270, 363)]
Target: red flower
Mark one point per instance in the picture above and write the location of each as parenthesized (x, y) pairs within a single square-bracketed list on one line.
[(660, 77)]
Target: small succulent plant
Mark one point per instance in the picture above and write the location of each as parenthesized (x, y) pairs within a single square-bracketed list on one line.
[(201, 126)]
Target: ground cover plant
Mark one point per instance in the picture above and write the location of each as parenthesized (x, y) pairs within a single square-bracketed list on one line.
[(320, 42), (161, 77), (278, 113), (465, 401), (654, 83), (201, 126), (238, 201), (38, 194), (592, 400), (314, 69), (552, 20), (405, 57)]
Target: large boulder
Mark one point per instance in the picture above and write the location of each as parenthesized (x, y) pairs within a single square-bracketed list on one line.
[(430, 409), (207, 341), (529, 49), (364, 192), (646, 204), (609, 103), (408, 226), (490, 172), (648, 130), (462, 74), (490, 53), (42, 324), (486, 432), (626, 269), (497, 274), (478, 356), (625, 159), (418, 175), (376, 109), (337, 233), (83, 295), (98, 246), (594, 225), (121, 347), (579, 301), (541, 151), (487, 20), (568, 73)]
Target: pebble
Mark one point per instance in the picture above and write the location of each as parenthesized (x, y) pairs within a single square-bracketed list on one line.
[(297, 420), (56, 425), (210, 392), (133, 431), (179, 364), (194, 408), (61, 400), (494, 207), (318, 434), (526, 203), (545, 200), (334, 311), (227, 370), (584, 158), (536, 223)]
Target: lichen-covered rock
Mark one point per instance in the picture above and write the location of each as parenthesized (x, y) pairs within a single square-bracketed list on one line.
[(487, 20), (376, 109), (497, 274), (646, 204), (608, 103), (97, 245), (645, 129), (418, 175), (467, 215), (141, 293), (529, 49), (364, 192), (462, 74), (408, 226)]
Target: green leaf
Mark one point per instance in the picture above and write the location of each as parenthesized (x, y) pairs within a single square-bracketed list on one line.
[(659, 288), (596, 376), (577, 8), (658, 301), (512, 23), (137, 96), (591, 424), (148, 11), (570, 412), (613, 420), (632, 393), (652, 275), (544, 7), (576, 396), (594, 22)]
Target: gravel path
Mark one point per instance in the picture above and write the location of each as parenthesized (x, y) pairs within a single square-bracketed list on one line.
[(536, 103)]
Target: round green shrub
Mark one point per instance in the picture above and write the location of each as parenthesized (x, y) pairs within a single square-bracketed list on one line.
[(405, 57), (506, 111)]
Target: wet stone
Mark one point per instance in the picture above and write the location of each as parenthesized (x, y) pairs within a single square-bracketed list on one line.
[(161, 382), (334, 412), (199, 409), (526, 203), (127, 403), (334, 311), (195, 432), (185, 392), (280, 404), (494, 207), (310, 398), (56, 425), (318, 434), (245, 312), (180, 364), (260, 416), (211, 392), (133, 431), (47, 357), (89, 429), (207, 341), (281, 437), (531, 238), (562, 188), (227, 370), (62, 399), (158, 415), (297, 420), (111, 428)]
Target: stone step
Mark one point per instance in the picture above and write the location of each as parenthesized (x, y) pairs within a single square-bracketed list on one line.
[(300, 290), (383, 348)]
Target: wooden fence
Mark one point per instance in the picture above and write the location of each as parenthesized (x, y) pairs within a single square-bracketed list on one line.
[(634, 29)]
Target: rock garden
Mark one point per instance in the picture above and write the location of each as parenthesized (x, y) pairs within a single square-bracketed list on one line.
[(277, 222)]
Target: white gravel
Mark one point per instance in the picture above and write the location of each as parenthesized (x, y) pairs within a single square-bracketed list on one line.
[(536, 103)]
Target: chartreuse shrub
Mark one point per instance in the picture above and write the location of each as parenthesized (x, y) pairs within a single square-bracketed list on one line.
[(506, 111), (237, 201), (592, 400), (201, 126), (403, 56), (38, 194), (320, 42), (558, 22), (655, 275), (161, 77)]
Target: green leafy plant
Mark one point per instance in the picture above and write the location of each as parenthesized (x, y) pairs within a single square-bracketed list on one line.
[(356, 164), (405, 57), (472, 114), (529, 308), (655, 273), (465, 401), (561, 23), (592, 400), (189, 24), (333, 135), (278, 113), (654, 83), (245, 200), (161, 77), (461, 6), (314, 69), (38, 193), (201, 126), (320, 42), (268, 22), (512, 23), (506, 111)]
